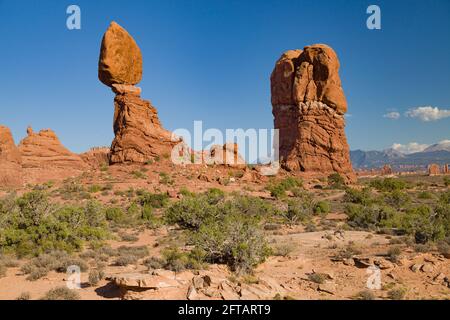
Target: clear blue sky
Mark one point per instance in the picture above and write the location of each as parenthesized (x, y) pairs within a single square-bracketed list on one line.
[(211, 60)]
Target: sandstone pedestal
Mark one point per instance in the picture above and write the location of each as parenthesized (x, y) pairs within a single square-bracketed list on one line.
[(139, 136)]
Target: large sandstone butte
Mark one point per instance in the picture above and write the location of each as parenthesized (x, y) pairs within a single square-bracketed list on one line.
[(309, 106), (44, 158), (10, 160), (139, 135)]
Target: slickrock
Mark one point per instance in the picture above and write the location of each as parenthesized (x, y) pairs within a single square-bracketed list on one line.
[(10, 160), (309, 106), (120, 58), (45, 158), (139, 135)]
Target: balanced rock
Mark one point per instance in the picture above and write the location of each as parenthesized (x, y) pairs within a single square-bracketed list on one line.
[(120, 58), (139, 135), (309, 106), (43, 150), (10, 160)]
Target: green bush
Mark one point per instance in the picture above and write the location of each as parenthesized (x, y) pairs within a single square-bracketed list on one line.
[(397, 199), (362, 197), (372, 217), (155, 200), (30, 225), (278, 190), (322, 207), (299, 210), (336, 181), (115, 214), (236, 240), (388, 184)]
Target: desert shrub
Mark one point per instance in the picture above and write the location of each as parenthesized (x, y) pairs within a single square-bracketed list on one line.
[(397, 199), (446, 181), (176, 260), (397, 294), (355, 196), (153, 263), (278, 190), (283, 250), (190, 212), (348, 252), (336, 181), (165, 178), (235, 239), (322, 207), (58, 261), (115, 214), (94, 188), (388, 184), (365, 295), (61, 293), (299, 209), (317, 277), (427, 224), (154, 200), (444, 249), (394, 253), (95, 276), (371, 217), (425, 195), (138, 174), (31, 225)]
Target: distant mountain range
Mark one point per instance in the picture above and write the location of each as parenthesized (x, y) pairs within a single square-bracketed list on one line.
[(437, 153)]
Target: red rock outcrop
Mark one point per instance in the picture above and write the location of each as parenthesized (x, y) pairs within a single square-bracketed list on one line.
[(96, 157), (139, 135), (10, 160), (44, 158), (120, 58), (434, 169), (309, 106)]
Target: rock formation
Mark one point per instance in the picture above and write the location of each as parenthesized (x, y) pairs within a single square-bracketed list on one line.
[(10, 160), (45, 158), (309, 106), (120, 58), (96, 157), (228, 155), (434, 169), (139, 135)]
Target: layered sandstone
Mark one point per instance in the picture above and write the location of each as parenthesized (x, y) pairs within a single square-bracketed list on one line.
[(10, 160), (45, 158), (309, 106), (139, 135)]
